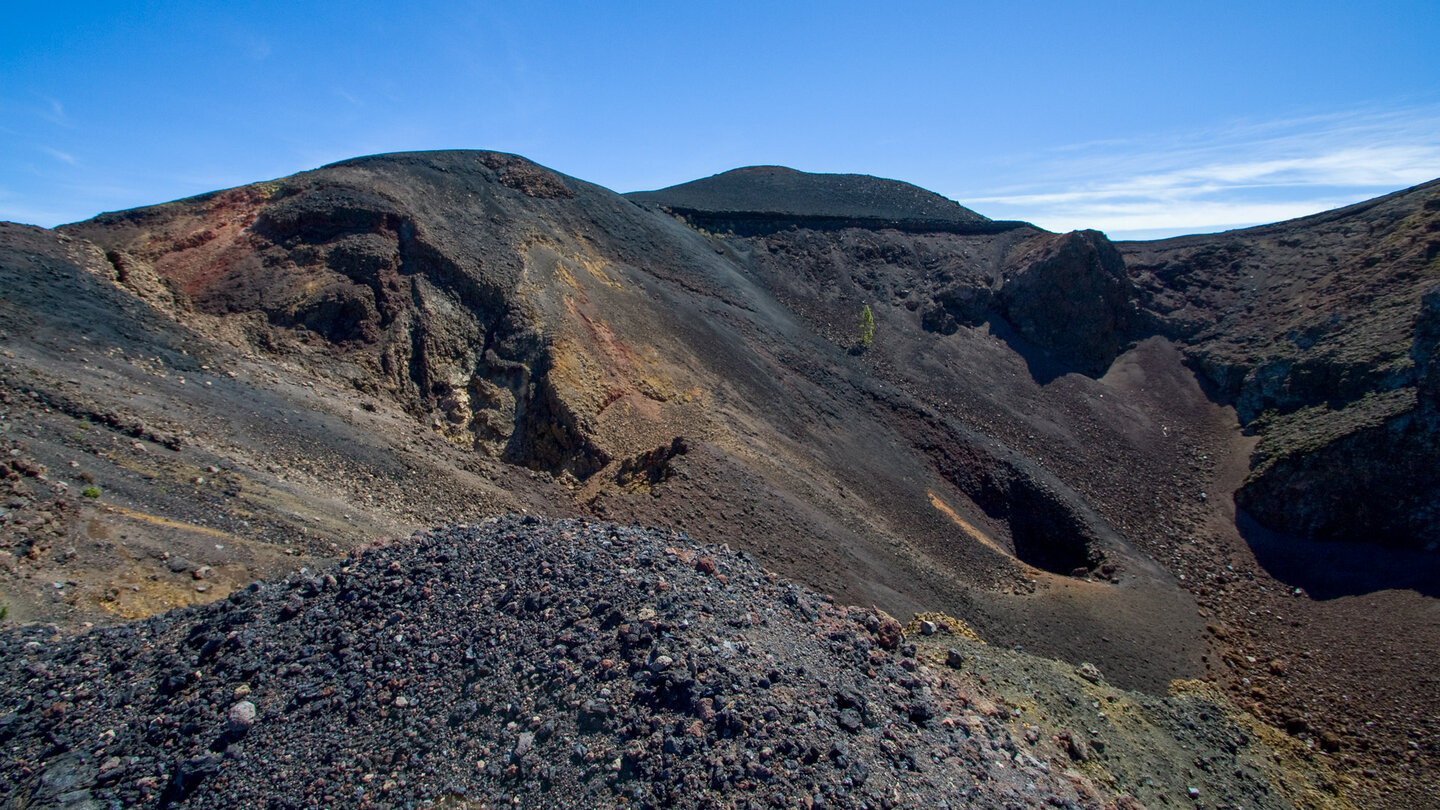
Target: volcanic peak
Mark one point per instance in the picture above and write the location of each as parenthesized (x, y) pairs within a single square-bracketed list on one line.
[(784, 192)]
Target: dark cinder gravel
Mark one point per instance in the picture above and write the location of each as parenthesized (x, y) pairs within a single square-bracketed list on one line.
[(517, 662)]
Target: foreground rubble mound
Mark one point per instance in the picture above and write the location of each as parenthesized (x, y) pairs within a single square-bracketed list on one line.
[(578, 663)]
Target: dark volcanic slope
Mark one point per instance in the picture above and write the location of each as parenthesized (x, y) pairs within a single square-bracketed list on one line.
[(580, 664), (551, 324), (757, 194)]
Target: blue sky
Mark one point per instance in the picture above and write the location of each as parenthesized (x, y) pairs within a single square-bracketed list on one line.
[(1140, 119)]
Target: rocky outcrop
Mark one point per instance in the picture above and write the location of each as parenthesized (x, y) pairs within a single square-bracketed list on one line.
[(641, 473), (1317, 470), (955, 305), (348, 258), (1070, 295), (1362, 477)]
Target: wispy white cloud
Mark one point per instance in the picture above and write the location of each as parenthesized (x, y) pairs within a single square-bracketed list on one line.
[(255, 47), (1244, 174), (63, 157), (54, 112)]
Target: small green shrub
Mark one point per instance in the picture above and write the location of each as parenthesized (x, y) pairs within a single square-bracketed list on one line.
[(91, 491), (867, 327)]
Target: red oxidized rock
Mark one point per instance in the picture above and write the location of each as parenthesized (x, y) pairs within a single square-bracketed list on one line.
[(889, 633)]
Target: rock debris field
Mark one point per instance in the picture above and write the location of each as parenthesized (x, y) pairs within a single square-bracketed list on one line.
[(521, 662)]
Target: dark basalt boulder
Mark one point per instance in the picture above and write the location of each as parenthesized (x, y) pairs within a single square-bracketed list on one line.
[(1069, 295)]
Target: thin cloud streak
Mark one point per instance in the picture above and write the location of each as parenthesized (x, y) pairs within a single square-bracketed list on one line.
[(1121, 221), (1249, 174), (56, 113), (63, 157)]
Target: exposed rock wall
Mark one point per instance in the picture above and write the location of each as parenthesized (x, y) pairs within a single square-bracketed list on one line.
[(449, 332), (1321, 333)]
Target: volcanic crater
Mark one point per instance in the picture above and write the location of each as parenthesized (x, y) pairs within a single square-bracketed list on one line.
[(1209, 459)]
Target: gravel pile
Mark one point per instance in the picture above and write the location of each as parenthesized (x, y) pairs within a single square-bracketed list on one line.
[(517, 662)]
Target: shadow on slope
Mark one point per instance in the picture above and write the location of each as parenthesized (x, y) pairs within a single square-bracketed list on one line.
[(1043, 366), (1329, 570)]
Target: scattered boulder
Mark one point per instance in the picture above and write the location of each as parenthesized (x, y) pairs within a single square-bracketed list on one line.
[(888, 632), (241, 716)]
